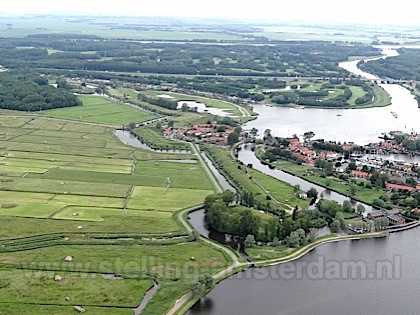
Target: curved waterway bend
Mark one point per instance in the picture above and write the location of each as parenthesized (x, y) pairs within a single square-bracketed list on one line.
[(360, 126), (388, 275)]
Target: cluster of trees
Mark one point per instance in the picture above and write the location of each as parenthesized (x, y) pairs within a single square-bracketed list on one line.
[(31, 92), (377, 224), (411, 145), (203, 282), (405, 199), (276, 153), (158, 101), (244, 221), (320, 97)]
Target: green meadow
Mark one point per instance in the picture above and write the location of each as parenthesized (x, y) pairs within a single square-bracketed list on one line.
[(100, 109), (65, 182), (229, 107)]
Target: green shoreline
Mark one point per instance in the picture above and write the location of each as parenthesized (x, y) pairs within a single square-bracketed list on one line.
[(298, 253)]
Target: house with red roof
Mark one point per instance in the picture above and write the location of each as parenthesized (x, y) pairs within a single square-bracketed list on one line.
[(391, 186), (360, 174)]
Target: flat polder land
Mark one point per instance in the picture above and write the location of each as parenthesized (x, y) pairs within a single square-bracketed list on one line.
[(70, 187)]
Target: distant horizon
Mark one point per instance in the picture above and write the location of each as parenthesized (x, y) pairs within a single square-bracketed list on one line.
[(324, 12), (257, 22)]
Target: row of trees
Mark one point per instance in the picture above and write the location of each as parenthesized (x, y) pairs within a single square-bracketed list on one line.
[(158, 101)]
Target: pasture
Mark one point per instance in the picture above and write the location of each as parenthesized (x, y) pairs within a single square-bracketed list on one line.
[(64, 183), (51, 167), (99, 109), (80, 288), (170, 265)]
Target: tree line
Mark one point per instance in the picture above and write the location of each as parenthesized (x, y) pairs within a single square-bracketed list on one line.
[(288, 58)]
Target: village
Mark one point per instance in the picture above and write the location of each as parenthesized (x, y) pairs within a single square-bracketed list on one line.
[(213, 132), (368, 168)]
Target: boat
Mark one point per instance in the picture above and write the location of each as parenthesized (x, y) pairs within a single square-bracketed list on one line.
[(339, 115), (394, 114), (299, 107)]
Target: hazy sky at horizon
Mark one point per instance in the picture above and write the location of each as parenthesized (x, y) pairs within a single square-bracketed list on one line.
[(358, 11)]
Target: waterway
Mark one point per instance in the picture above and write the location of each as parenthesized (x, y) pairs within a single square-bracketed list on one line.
[(128, 138), (361, 126), (371, 276), (247, 156)]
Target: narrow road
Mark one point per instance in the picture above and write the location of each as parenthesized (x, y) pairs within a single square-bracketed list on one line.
[(207, 169)]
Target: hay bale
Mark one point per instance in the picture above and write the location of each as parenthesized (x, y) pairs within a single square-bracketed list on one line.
[(79, 309)]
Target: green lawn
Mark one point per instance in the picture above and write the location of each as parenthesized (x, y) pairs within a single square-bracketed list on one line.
[(181, 175), (281, 191), (64, 187), (35, 309)]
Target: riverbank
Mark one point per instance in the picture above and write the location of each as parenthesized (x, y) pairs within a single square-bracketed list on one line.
[(323, 240), (187, 301)]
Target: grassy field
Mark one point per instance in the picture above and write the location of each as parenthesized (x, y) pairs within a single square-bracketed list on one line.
[(281, 191), (81, 288), (154, 138), (61, 183), (170, 199), (228, 107), (170, 265), (102, 110)]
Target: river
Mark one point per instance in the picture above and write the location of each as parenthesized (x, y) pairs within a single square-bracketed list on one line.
[(322, 281), (361, 126)]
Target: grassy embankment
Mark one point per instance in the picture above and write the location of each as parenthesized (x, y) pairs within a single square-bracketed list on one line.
[(266, 255), (266, 189)]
